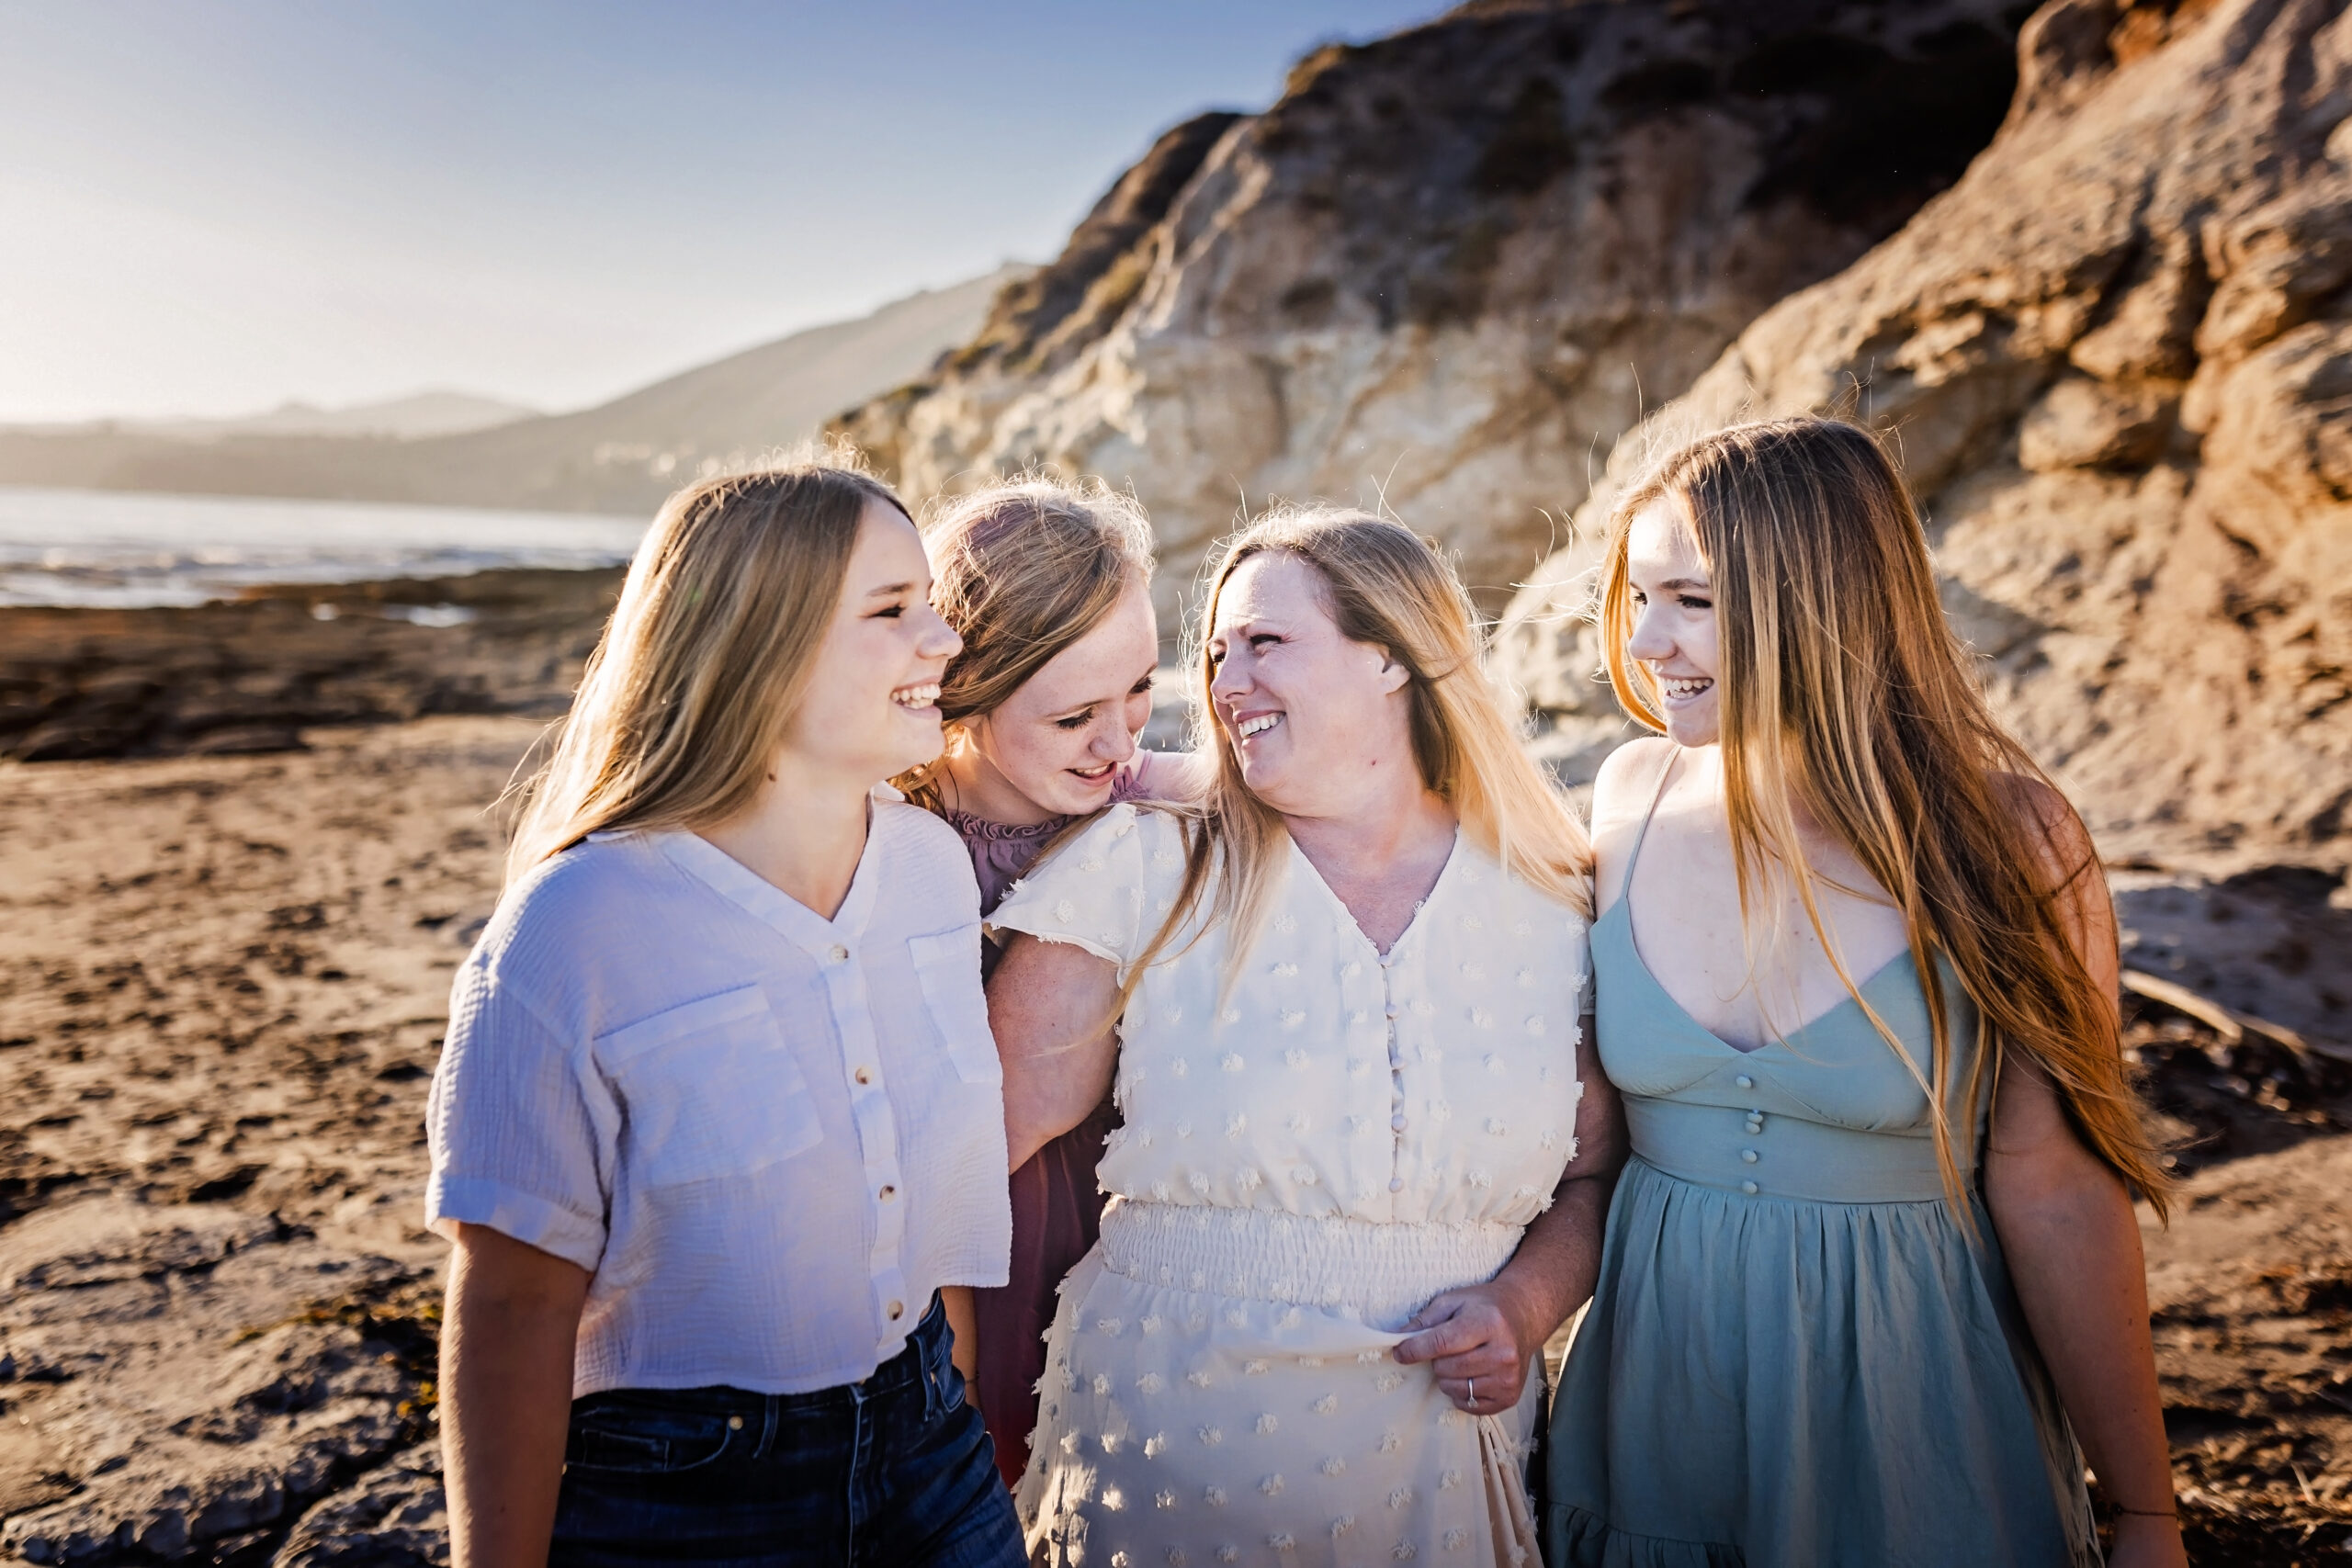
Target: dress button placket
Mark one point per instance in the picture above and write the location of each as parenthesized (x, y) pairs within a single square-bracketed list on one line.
[(1395, 1075)]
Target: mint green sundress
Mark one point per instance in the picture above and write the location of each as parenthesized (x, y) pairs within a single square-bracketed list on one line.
[(1797, 1356)]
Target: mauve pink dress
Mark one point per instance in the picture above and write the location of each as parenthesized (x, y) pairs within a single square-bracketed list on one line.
[(1056, 1205)]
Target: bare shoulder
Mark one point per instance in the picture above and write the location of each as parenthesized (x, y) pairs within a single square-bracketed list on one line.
[(2062, 844), (1621, 793), (1627, 776)]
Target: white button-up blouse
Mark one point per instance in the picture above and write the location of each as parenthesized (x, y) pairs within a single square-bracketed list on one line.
[(768, 1136)]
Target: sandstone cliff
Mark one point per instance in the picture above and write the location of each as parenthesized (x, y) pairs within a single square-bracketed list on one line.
[(1451, 266), (2117, 361)]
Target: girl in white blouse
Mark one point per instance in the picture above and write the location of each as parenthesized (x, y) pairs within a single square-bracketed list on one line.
[(718, 1113), (1365, 1152)]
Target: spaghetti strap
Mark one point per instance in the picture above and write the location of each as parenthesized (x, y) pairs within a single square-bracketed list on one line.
[(1626, 886)]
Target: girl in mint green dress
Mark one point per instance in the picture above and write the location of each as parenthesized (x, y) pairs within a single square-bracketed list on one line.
[(1871, 1291)]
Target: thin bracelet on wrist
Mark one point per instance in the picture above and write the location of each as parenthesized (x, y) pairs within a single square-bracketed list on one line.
[(2171, 1513)]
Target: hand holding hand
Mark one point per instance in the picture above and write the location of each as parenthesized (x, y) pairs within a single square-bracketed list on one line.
[(1475, 1345)]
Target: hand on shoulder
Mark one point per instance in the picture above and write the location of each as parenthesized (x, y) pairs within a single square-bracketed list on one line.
[(1179, 776)]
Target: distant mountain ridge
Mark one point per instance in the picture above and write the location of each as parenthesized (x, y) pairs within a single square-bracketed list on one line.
[(418, 416), (621, 457)]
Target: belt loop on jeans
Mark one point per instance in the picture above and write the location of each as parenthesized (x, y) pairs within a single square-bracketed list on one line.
[(934, 1392)]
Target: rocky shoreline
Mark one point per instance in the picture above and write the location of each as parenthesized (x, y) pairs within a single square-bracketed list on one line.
[(248, 676)]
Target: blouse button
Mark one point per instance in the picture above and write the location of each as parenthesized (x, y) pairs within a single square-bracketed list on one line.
[(1747, 1156), (1748, 1188), (1397, 1122), (1391, 1010), (863, 1074), (1744, 1081), (898, 1309), (838, 953), (1396, 1184), (889, 1191)]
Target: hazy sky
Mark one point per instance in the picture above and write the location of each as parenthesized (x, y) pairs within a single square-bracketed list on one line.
[(208, 208)]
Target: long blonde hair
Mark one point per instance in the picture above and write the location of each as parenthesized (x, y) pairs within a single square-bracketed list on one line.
[(689, 693), (1384, 586), (1023, 570), (1842, 685)]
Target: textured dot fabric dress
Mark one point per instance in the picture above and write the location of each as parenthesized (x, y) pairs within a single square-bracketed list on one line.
[(1307, 1159), (1057, 1207), (1797, 1356)]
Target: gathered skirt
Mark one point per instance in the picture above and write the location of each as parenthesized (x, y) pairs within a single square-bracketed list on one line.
[(1219, 1389), (1776, 1382)]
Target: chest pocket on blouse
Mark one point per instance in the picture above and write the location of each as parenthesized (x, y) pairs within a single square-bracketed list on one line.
[(710, 1090), (947, 965)]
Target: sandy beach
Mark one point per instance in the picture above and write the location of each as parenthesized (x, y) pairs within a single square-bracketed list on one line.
[(224, 984)]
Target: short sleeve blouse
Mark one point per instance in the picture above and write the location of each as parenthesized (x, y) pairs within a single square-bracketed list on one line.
[(1435, 1083), (769, 1135)]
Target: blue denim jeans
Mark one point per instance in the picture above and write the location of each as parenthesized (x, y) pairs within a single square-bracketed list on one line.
[(895, 1472)]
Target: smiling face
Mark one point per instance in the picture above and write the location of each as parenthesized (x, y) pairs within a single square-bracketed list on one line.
[(1313, 718), (1674, 621), (871, 705), (1055, 745)]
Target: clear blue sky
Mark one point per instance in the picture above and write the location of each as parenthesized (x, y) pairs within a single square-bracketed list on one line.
[(210, 208)]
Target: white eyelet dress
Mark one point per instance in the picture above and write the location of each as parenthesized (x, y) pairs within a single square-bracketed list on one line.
[(1302, 1168)]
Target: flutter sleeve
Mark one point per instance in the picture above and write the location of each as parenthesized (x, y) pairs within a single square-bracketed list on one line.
[(1093, 890)]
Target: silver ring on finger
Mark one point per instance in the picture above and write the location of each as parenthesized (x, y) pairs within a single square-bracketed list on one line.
[(1473, 1393)]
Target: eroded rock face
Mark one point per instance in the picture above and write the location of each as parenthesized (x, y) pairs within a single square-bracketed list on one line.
[(2117, 362), (1448, 268)]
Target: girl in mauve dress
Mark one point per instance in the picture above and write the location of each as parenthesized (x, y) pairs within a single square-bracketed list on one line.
[(1050, 588)]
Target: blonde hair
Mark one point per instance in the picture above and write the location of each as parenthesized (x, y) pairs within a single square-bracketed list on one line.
[(1842, 685), (689, 693), (1021, 571), (1386, 587)]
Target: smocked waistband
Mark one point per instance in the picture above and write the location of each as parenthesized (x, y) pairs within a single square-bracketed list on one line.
[(1382, 1271)]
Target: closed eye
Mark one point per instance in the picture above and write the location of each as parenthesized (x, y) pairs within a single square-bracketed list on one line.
[(1692, 602), (1075, 720)]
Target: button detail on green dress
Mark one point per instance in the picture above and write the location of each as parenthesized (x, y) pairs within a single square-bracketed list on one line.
[(1744, 1081), (1748, 1188), (1748, 1155)]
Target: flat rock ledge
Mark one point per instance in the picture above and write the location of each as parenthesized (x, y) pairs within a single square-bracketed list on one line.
[(185, 1383)]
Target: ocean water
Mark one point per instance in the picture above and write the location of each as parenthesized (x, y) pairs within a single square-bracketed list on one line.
[(117, 549)]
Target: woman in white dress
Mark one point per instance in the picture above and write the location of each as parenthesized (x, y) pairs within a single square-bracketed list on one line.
[(1366, 1154)]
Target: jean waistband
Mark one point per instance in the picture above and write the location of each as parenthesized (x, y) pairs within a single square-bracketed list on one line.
[(922, 1365)]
